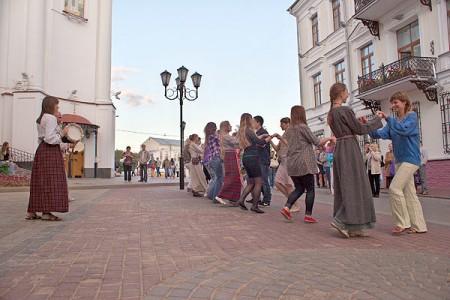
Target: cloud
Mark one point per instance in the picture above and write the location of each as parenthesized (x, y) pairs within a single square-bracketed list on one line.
[(134, 98), (121, 73)]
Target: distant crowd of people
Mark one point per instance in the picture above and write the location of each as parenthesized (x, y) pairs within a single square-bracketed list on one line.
[(235, 169)]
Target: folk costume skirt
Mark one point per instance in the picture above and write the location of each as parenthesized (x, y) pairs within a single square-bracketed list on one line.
[(231, 189), (48, 189)]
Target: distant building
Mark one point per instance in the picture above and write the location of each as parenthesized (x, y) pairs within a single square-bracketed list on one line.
[(376, 48), (160, 148), (61, 49)]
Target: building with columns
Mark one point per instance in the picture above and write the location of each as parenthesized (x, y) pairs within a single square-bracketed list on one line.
[(378, 47), (59, 48)]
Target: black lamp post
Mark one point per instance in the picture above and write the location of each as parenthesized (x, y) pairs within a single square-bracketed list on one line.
[(181, 93)]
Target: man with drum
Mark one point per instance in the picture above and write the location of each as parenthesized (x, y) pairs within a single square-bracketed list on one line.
[(144, 157)]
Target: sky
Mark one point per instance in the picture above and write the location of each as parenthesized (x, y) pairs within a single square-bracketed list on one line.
[(246, 51)]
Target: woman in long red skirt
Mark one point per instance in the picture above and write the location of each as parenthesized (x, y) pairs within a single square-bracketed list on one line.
[(48, 189)]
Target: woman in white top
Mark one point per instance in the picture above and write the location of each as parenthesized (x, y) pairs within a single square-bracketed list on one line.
[(48, 189), (373, 159)]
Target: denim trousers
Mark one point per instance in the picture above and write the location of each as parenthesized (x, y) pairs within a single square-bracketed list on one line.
[(423, 177), (216, 164), (272, 173), (406, 208), (127, 172), (267, 194), (143, 171)]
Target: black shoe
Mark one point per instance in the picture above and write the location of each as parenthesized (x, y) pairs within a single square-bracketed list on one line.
[(257, 210), (249, 201), (242, 205), (376, 196), (140, 180)]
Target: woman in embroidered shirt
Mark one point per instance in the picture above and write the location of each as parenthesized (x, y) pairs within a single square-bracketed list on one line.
[(404, 133), (249, 141), (48, 188), (301, 162), (353, 203), (231, 189)]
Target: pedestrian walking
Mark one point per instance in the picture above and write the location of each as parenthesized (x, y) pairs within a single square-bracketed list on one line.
[(353, 203), (403, 131)]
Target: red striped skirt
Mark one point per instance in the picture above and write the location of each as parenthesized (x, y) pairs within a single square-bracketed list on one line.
[(231, 188), (48, 189)]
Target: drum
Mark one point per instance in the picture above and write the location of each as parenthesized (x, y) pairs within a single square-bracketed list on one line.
[(74, 133), (79, 147)]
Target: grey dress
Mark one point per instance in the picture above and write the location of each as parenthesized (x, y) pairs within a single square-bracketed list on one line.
[(353, 202)]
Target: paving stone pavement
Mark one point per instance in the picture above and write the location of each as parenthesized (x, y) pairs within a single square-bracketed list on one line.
[(162, 243)]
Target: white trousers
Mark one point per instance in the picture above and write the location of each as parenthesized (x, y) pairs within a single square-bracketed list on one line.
[(406, 208)]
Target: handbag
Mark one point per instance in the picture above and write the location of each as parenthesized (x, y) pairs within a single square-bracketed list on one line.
[(274, 163), (122, 159)]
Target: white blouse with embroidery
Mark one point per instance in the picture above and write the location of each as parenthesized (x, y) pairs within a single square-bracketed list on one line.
[(48, 130)]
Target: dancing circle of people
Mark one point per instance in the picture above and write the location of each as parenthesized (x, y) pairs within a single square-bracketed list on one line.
[(221, 155)]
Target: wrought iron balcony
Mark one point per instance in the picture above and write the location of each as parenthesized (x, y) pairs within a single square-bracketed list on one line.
[(371, 11), (414, 69)]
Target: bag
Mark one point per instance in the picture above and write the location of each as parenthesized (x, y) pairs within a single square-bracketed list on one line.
[(274, 163), (152, 166), (195, 160), (392, 169), (122, 159), (186, 154), (382, 161)]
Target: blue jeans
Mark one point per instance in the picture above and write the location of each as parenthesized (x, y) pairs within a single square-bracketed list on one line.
[(272, 173), (216, 184), (328, 173), (143, 171), (166, 172), (212, 178), (266, 187)]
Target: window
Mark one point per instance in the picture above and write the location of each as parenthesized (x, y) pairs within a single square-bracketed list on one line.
[(74, 7), (315, 29), (367, 60), (336, 4), (318, 89), (408, 40), (339, 72)]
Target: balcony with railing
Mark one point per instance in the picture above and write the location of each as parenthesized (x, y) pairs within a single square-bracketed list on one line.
[(405, 74), (371, 11)]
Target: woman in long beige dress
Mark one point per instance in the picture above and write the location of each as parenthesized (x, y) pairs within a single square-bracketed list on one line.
[(198, 180)]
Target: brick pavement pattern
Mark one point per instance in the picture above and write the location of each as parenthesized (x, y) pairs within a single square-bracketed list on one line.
[(162, 243)]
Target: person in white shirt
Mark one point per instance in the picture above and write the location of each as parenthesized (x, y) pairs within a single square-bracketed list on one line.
[(48, 187)]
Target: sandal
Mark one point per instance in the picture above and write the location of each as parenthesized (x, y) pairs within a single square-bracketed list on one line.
[(344, 232), (399, 230), (412, 231), (35, 216), (50, 217)]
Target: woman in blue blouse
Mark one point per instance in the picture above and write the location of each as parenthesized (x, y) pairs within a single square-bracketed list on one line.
[(404, 133)]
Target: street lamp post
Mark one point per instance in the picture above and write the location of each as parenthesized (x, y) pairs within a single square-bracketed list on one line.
[(181, 93)]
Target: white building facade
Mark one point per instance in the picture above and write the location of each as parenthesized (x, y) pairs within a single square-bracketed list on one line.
[(378, 47), (59, 48), (162, 148)]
